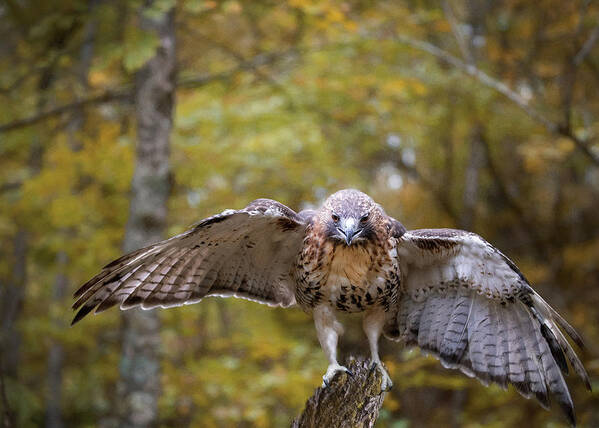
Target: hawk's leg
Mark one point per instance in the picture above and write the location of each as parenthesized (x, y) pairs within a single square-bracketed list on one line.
[(373, 323), (328, 330)]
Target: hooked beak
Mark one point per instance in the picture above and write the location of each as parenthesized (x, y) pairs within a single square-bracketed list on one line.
[(349, 229)]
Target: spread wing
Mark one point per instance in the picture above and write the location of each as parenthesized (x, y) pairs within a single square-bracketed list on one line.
[(248, 253), (466, 303)]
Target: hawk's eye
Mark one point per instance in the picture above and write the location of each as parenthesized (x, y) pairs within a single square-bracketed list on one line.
[(364, 218), (335, 218)]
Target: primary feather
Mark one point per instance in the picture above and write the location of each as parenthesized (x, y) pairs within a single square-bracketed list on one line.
[(224, 255), (497, 328)]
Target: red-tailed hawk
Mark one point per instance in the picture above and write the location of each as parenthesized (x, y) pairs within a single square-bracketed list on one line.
[(447, 291)]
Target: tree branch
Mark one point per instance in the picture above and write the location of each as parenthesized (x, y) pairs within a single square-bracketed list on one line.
[(587, 46), (6, 416), (349, 401), (503, 89), (107, 96), (457, 33), (126, 92)]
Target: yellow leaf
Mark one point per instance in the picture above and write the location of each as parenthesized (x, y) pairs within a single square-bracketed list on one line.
[(443, 26), (98, 78)]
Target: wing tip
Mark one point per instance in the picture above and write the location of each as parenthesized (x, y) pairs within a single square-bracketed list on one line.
[(81, 314), (571, 331), (568, 409)]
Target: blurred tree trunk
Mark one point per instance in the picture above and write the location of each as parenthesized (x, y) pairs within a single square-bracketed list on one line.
[(56, 352), (54, 377), (476, 162), (139, 385), (12, 303), (13, 293)]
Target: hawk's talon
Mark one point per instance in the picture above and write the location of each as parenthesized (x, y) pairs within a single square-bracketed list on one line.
[(386, 382), (332, 371)]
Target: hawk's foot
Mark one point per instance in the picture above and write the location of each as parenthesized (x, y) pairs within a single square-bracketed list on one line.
[(386, 383), (332, 371)]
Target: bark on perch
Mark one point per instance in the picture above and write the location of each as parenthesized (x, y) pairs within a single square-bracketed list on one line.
[(349, 401)]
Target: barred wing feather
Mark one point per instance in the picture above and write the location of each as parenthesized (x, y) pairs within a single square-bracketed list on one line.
[(466, 303), (247, 253)]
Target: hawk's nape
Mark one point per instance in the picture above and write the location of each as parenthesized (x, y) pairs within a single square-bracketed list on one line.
[(246, 253), (467, 304)]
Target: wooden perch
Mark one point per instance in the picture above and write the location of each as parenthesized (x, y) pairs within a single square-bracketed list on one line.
[(349, 401)]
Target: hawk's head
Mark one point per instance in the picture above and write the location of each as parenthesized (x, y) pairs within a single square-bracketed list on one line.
[(350, 216)]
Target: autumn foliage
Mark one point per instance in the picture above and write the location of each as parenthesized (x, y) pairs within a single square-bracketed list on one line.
[(472, 114)]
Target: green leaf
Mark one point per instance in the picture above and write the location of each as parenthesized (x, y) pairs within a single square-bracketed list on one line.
[(140, 46)]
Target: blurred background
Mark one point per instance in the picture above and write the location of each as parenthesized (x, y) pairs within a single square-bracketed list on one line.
[(475, 114)]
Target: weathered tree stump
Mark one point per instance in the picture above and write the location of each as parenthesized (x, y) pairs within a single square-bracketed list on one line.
[(349, 401)]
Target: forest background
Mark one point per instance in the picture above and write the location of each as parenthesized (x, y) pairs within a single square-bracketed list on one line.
[(475, 114)]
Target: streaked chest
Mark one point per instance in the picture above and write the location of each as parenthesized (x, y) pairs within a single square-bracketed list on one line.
[(350, 265), (350, 279)]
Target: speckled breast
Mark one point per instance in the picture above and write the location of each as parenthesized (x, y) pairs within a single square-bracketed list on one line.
[(349, 279)]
